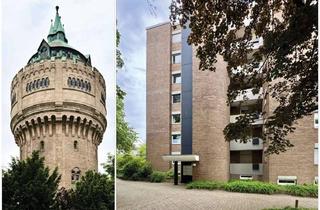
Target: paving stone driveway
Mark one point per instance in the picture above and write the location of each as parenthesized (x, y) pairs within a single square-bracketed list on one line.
[(143, 195)]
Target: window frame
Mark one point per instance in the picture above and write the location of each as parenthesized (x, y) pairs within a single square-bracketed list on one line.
[(174, 78), (173, 57), (172, 139), (172, 98)]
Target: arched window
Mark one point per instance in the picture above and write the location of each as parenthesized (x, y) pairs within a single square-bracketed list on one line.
[(38, 83), (27, 87), (86, 85), (47, 82), (78, 83), (82, 84), (41, 146), (69, 81), (73, 82), (75, 145), (89, 87), (34, 85), (75, 174)]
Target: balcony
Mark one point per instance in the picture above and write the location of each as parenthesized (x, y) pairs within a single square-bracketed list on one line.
[(248, 96), (257, 121), (246, 168), (253, 144)]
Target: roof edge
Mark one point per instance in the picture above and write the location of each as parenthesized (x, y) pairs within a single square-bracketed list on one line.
[(157, 25)]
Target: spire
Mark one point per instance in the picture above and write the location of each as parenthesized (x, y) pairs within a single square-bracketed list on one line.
[(57, 30)]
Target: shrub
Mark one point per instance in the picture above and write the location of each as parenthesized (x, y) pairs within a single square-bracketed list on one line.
[(133, 167), (252, 187), (209, 185), (302, 190), (169, 174), (158, 176)]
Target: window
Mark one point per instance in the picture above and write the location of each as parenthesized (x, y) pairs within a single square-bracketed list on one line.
[(176, 58), (287, 180), (316, 154), (176, 38), (255, 167), (75, 145), (75, 174), (176, 98), (176, 118), (176, 78), (41, 146), (316, 123), (176, 138), (316, 180), (245, 177)]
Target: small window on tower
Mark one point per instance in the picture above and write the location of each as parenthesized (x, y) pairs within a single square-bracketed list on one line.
[(75, 145), (176, 138), (176, 58), (41, 146)]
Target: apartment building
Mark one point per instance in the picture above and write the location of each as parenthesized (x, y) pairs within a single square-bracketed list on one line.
[(187, 112)]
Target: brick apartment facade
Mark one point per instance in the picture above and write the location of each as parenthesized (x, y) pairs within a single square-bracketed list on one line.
[(187, 112)]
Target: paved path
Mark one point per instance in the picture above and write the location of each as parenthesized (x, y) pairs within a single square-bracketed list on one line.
[(143, 195)]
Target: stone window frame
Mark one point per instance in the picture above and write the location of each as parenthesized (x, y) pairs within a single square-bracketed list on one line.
[(41, 146), (176, 37)]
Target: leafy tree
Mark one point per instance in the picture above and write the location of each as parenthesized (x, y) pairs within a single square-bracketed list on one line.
[(142, 151), (94, 191), (126, 136), (28, 184), (109, 165), (289, 55)]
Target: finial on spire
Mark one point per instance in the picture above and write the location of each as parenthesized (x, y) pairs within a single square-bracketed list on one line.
[(57, 8)]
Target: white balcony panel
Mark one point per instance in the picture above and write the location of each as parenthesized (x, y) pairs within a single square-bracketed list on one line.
[(248, 95), (258, 121), (245, 169), (237, 146)]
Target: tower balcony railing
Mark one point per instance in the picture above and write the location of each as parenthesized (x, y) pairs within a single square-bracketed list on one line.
[(258, 118), (246, 168), (254, 143)]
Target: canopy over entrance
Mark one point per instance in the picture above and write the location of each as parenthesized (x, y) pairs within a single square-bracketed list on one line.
[(183, 159)]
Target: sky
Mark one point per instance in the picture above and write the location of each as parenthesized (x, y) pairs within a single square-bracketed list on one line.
[(89, 27), (133, 17)]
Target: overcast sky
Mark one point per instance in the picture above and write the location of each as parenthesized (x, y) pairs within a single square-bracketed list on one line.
[(133, 16), (89, 27)]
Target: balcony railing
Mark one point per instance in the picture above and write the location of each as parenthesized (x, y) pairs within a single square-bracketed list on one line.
[(248, 95), (257, 121), (254, 143), (246, 168)]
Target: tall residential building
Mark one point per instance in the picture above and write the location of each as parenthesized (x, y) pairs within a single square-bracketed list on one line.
[(187, 112), (58, 107)]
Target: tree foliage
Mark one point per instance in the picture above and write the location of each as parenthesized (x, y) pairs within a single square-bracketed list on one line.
[(28, 184), (289, 55), (126, 136), (109, 166), (94, 191)]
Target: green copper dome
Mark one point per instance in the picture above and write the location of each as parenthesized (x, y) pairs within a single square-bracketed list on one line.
[(57, 45)]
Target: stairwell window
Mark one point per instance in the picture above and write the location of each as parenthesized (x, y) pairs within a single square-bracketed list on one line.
[(176, 38), (176, 98), (176, 138), (316, 120), (176, 78), (176, 58), (176, 118)]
